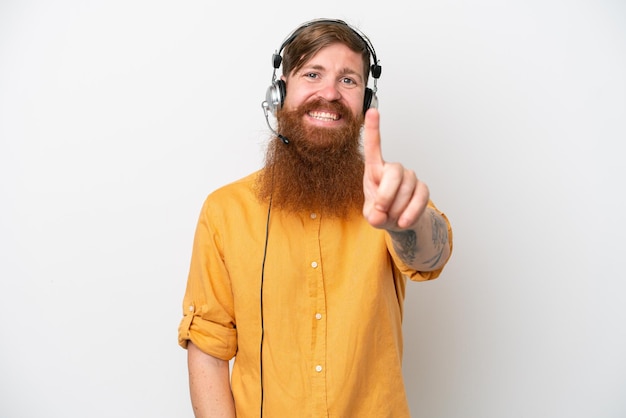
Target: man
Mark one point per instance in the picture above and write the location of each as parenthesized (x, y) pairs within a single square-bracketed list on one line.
[(298, 271)]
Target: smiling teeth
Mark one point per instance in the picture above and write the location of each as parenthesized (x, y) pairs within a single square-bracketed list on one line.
[(324, 115)]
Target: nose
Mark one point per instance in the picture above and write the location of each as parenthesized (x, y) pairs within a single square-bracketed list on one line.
[(329, 91)]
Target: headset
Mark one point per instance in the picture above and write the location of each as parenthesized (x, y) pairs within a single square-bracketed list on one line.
[(275, 95)]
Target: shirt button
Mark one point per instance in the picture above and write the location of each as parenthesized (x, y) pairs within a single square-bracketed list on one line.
[(313, 215), (314, 264), (318, 368), (318, 316), (191, 308)]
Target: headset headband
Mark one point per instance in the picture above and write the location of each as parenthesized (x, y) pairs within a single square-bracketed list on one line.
[(375, 68)]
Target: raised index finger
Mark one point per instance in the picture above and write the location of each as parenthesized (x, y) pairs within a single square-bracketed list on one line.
[(371, 138)]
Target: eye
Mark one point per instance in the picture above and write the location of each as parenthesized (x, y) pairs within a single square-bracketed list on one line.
[(348, 81), (311, 75)]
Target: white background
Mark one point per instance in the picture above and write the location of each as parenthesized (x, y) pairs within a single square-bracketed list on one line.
[(117, 118)]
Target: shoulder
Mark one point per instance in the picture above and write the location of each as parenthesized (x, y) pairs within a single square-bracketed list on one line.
[(243, 188), (233, 198)]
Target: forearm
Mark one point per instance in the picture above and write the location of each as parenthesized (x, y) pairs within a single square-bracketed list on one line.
[(209, 385), (425, 246)]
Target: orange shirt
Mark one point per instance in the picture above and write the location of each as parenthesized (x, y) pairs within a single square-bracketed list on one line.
[(333, 294)]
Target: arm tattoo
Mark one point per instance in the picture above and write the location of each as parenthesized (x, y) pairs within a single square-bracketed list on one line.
[(405, 244), (440, 238), (440, 230)]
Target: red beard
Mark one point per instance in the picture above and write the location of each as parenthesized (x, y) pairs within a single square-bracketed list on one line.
[(321, 169)]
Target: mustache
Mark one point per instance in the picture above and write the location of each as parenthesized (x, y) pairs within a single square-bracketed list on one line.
[(334, 106)]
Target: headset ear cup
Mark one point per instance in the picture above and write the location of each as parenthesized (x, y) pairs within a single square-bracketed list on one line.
[(275, 96), (369, 100), (282, 92)]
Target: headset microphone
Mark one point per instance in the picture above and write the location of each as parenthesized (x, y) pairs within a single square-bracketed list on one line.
[(266, 106)]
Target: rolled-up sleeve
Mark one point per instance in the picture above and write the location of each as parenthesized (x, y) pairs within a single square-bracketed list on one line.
[(208, 307)]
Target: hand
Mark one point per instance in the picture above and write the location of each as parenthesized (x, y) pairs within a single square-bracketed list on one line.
[(394, 197)]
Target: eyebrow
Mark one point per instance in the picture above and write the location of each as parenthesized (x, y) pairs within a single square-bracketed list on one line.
[(344, 71)]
